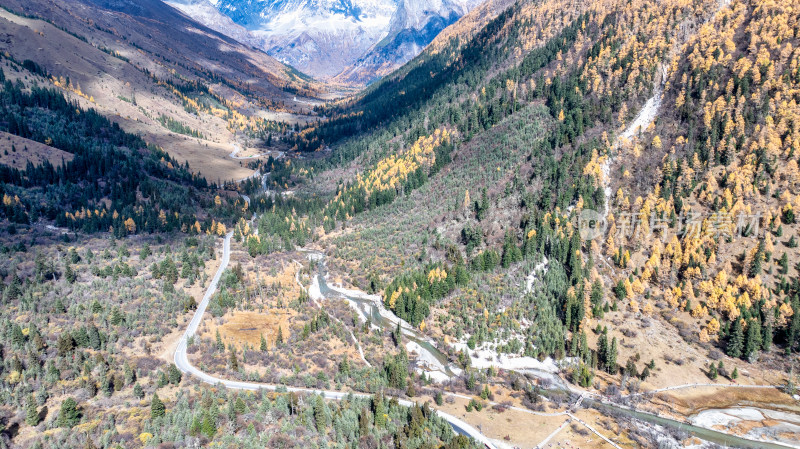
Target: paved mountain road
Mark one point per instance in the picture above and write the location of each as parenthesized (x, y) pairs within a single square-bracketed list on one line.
[(185, 366)]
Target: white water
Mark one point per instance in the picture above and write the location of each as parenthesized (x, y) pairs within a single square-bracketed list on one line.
[(238, 149), (316, 296), (428, 364)]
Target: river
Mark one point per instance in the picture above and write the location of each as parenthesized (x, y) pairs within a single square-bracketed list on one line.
[(702, 433), (436, 364), (430, 360)]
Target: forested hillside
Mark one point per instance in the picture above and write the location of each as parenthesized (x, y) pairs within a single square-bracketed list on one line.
[(157, 74), (550, 216), (673, 121), (114, 182)]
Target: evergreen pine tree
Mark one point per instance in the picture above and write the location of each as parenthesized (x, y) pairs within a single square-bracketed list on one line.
[(174, 375), (220, 344), (69, 415), (438, 398), (736, 340), (485, 392), (611, 357), (585, 353), (766, 337), (752, 341), (363, 422), (602, 350), (263, 346), (319, 415), (279, 338), (574, 345), (130, 375), (157, 408), (31, 412), (758, 259), (138, 391), (379, 409), (69, 274), (240, 406), (209, 426), (232, 360), (91, 387)]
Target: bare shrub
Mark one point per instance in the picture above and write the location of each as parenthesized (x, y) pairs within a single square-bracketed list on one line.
[(630, 333), (579, 429)]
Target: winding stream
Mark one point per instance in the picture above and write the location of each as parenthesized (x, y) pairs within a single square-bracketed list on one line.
[(703, 433), (437, 365), (370, 309)]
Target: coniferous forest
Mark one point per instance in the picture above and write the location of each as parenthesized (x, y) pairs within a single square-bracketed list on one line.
[(551, 216)]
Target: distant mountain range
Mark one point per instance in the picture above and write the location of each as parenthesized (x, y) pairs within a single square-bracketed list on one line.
[(350, 41)]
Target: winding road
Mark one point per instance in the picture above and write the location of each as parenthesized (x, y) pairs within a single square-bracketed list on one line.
[(186, 367)]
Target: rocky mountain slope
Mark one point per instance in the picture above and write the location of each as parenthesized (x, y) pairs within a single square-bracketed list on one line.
[(357, 40), (203, 11), (157, 73), (674, 124), (413, 26)]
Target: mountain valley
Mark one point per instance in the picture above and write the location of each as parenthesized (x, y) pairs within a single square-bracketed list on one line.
[(380, 224)]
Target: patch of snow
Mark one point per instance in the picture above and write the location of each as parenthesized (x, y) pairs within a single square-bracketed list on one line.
[(206, 13), (57, 229), (485, 358), (434, 368), (315, 257), (313, 290), (745, 413), (315, 293), (325, 37), (529, 281), (377, 302), (353, 292), (316, 296), (711, 418), (781, 416)]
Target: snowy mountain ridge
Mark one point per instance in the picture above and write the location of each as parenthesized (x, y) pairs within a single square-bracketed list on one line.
[(355, 41)]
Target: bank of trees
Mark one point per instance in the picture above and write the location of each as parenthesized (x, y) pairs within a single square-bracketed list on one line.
[(114, 181), (410, 296)]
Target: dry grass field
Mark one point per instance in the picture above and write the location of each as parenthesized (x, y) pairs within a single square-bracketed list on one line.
[(17, 151), (121, 89)]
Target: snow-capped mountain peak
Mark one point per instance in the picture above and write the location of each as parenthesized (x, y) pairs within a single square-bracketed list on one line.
[(325, 38)]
